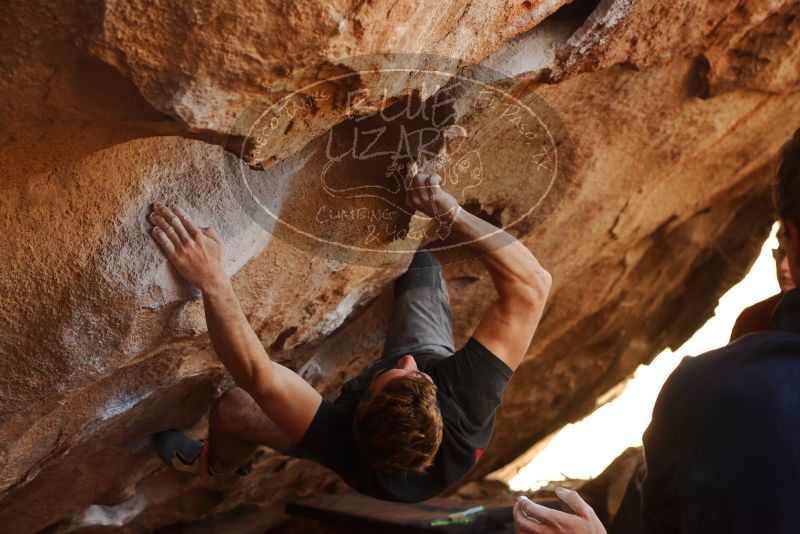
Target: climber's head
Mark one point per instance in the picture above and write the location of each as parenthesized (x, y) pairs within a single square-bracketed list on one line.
[(787, 201), (398, 426)]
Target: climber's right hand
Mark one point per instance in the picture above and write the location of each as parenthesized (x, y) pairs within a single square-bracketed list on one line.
[(424, 193), (196, 253)]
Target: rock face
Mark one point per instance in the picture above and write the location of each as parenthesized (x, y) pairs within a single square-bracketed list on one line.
[(666, 122)]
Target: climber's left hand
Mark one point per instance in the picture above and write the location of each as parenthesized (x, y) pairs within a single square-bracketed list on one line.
[(195, 252), (532, 518)]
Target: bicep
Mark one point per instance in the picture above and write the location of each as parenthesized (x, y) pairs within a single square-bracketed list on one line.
[(289, 401), (507, 329)]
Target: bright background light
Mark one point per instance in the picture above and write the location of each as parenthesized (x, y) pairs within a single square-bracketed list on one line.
[(584, 449)]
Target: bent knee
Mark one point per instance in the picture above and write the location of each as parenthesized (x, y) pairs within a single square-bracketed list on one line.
[(230, 408)]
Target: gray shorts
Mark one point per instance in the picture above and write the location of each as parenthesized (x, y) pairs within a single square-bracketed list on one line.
[(420, 322)]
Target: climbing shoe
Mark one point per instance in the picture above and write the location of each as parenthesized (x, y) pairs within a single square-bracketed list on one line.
[(181, 452), (186, 454)]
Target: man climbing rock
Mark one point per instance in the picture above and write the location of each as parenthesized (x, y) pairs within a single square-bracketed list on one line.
[(410, 425)]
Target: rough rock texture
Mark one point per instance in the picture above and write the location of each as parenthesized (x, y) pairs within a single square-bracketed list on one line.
[(607, 491), (672, 117), (88, 74)]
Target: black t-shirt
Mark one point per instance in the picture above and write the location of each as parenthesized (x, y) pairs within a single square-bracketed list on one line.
[(469, 386)]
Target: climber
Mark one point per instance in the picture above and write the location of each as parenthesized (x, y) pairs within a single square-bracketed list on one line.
[(411, 424), (758, 317), (722, 448)]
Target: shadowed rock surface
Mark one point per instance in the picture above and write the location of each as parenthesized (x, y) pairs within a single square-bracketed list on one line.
[(668, 120)]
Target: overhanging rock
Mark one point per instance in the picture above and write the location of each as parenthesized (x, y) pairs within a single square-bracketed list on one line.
[(671, 127)]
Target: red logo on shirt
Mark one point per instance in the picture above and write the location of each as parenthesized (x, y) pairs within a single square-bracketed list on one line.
[(478, 454)]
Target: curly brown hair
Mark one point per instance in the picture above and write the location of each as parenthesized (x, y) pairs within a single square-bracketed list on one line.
[(787, 181), (399, 429)]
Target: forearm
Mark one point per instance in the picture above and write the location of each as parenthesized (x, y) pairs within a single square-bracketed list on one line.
[(234, 340), (197, 254), (515, 271)]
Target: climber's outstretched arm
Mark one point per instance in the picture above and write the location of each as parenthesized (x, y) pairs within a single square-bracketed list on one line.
[(522, 283), (197, 255)]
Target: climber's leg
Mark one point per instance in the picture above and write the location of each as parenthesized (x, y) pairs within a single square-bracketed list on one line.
[(236, 427), (420, 321)]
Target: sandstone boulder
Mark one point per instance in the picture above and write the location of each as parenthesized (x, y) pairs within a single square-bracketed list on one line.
[(665, 122)]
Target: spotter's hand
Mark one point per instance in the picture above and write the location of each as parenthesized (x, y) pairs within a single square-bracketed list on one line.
[(533, 518), (195, 252), (423, 193)]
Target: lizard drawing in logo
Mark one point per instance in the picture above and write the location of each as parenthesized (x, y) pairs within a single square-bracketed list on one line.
[(388, 158)]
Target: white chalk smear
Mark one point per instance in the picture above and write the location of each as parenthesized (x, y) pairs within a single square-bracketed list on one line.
[(341, 24), (113, 516), (334, 319), (122, 404)]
